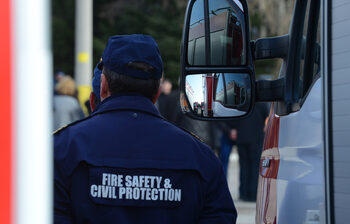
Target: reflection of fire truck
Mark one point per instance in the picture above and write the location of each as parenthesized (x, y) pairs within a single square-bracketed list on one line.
[(223, 23), (236, 95), (228, 92), (209, 86), (218, 90)]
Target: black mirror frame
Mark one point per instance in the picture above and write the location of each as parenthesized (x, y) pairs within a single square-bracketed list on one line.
[(187, 69)]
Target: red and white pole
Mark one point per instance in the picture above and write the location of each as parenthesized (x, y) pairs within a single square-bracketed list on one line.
[(6, 114), (25, 115)]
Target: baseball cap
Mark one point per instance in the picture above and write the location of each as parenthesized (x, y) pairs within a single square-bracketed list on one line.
[(122, 52), (96, 80)]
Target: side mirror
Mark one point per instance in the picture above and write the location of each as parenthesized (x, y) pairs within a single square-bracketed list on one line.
[(217, 74)]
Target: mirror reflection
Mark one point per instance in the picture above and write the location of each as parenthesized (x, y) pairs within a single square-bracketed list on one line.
[(196, 38), (218, 94), (226, 34)]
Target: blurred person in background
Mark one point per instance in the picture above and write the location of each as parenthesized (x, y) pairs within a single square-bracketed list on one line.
[(56, 78), (66, 106), (248, 135), (163, 100)]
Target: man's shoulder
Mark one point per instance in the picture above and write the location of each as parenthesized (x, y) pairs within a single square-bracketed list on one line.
[(193, 135), (185, 132), (201, 149), (71, 125), (67, 141)]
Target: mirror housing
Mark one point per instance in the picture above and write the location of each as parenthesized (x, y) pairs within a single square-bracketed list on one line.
[(270, 90), (215, 43), (271, 47)]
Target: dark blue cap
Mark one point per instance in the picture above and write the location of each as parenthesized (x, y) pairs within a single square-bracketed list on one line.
[(96, 80), (123, 51)]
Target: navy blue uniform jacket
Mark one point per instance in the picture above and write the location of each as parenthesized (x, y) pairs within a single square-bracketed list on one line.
[(126, 164)]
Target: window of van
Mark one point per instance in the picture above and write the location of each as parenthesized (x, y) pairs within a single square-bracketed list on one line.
[(310, 59)]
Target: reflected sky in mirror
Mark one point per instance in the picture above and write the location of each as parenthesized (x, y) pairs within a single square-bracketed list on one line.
[(194, 87)]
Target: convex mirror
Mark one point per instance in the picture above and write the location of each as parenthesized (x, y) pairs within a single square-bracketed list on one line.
[(218, 94)]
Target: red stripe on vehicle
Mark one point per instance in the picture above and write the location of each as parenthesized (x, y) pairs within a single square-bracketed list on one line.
[(5, 113), (271, 137), (266, 207), (270, 159)]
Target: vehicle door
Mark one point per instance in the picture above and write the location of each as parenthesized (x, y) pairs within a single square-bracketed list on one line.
[(291, 179)]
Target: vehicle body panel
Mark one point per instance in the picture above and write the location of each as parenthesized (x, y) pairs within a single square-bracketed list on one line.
[(300, 180), (339, 116), (266, 196)]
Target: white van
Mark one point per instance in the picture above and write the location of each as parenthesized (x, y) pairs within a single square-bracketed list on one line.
[(305, 163)]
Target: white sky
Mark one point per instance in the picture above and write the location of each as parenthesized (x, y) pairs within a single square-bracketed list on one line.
[(195, 81)]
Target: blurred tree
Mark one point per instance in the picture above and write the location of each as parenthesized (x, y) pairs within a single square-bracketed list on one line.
[(161, 19), (63, 35), (269, 18)]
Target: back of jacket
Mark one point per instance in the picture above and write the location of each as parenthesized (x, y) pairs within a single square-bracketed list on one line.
[(125, 164)]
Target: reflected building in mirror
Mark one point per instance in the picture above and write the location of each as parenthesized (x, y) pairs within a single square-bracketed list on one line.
[(196, 94), (218, 94), (226, 38), (227, 35), (190, 93), (208, 88)]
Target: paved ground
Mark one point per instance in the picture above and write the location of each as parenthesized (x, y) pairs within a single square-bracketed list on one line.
[(246, 210)]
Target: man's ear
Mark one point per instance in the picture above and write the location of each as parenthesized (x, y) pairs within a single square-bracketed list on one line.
[(104, 92), (92, 101)]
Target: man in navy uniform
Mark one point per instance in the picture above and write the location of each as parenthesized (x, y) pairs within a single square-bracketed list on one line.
[(125, 163)]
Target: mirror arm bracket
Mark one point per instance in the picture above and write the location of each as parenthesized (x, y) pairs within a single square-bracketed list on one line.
[(270, 47), (269, 90)]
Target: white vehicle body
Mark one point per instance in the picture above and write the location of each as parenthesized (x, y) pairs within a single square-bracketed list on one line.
[(300, 180), (305, 165), (300, 183)]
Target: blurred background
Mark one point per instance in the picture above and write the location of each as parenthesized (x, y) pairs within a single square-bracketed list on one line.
[(162, 19)]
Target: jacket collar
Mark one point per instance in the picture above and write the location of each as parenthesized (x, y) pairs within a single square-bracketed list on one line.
[(127, 101)]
